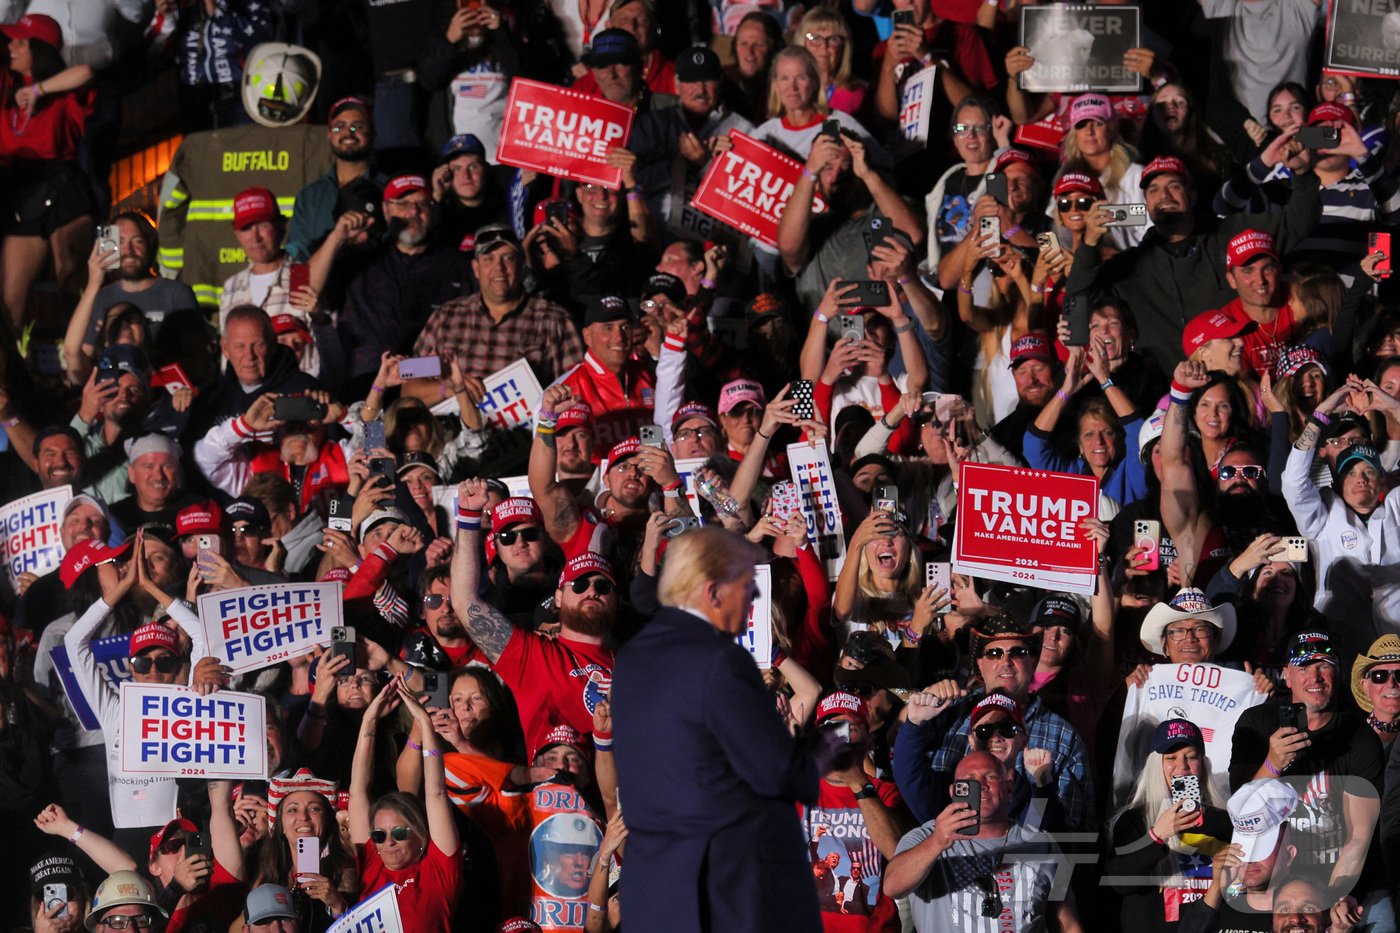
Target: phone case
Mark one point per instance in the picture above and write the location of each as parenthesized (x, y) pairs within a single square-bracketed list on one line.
[(784, 501), (308, 855), (970, 793), (805, 409), (1145, 533), (1186, 790)]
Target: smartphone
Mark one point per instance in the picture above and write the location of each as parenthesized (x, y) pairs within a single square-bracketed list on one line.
[(650, 435), (989, 231), (680, 525), (903, 17), (343, 644), (374, 436), (1126, 215), (1380, 243), (208, 543), (298, 276), (1292, 716), (880, 227), (438, 687), (870, 293), (996, 187), (1076, 312), (1186, 790), (1295, 549), (1319, 137), (557, 209), (56, 895), (887, 499), (308, 855), (385, 467), (1049, 245), (831, 128), (338, 513), (852, 327), (1148, 534), (297, 408), (969, 792), (421, 367), (198, 844), (939, 575), (805, 409), (109, 245)]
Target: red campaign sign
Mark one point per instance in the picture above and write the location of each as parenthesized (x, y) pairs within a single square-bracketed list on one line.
[(562, 132), (748, 187), (1025, 520)]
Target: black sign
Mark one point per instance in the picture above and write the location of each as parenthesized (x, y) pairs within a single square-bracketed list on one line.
[(1080, 48), (1363, 38)]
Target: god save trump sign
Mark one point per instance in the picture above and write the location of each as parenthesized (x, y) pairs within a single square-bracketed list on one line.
[(748, 186), (563, 132), (1022, 526), (254, 626)]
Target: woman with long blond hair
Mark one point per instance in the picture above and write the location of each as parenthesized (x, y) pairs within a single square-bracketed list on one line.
[(881, 586), (826, 36), (1094, 141)]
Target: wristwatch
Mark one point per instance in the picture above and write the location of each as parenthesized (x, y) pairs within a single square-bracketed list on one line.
[(866, 792)]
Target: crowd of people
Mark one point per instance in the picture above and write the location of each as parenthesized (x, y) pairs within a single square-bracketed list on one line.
[(697, 554)]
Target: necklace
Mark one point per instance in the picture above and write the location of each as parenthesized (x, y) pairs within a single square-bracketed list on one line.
[(1391, 727)]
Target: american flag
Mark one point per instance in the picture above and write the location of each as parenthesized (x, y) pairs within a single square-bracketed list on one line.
[(473, 91)]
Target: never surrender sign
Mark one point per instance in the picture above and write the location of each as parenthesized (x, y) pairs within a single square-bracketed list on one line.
[(1363, 37), (1080, 48), (171, 731), (254, 626), (32, 542), (748, 187), (1022, 526), (562, 132)]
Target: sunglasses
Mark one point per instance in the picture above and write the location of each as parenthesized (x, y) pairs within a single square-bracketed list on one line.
[(1018, 652), (972, 129), (992, 905), (1007, 730), (864, 691), (1229, 472), (354, 129), (600, 585), (1380, 677), (1080, 204), (495, 236), (436, 601), (400, 833), (507, 538), (1311, 647), (142, 922), (172, 845), (168, 664)]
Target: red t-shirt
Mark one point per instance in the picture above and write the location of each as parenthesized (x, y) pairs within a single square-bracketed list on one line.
[(845, 864), (51, 131), (215, 910), (476, 786), (427, 891), (556, 681), (968, 51), (1264, 344)]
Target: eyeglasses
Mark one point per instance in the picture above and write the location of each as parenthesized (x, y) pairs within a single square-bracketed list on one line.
[(139, 922), (590, 188), (1248, 472), (1078, 204), (651, 304), (400, 833), (528, 535), (600, 585), (436, 601), (827, 41), (1015, 653), (972, 129), (695, 434), (359, 680), (1380, 677), (1335, 442), (1007, 730), (992, 905), (166, 664), (354, 129), (418, 207), (244, 531), (1201, 631)]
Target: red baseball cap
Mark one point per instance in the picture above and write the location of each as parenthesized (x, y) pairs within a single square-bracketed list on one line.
[(204, 518), (152, 635), (1078, 181), (36, 26), (580, 416), (1219, 324), (996, 701), (1324, 113), (584, 564), (1031, 347), (515, 510), (694, 410), (351, 102), (87, 554), (1015, 155), (562, 735), (1245, 247), (841, 704), (254, 206), (405, 185), (621, 450), (1163, 165), (179, 824), (288, 324)]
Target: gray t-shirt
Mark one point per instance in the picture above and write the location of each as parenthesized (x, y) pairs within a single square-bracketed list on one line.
[(1262, 43), (1020, 869), (156, 302)]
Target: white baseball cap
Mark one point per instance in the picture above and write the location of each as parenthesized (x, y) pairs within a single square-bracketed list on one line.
[(1258, 810)]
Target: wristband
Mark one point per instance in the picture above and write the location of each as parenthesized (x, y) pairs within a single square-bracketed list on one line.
[(468, 520), (602, 743), (905, 279), (633, 196), (1151, 834), (414, 745), (808, 175), (544, 430), (866, 792), (77, 834), (1060, 394), (376, 387), (1179, 393), (1159, 82), (1321, 418), (1269, 766), (671, 487), (708, 283), (965, 289), (1012, 232), (766, 437), (1037, 289), (818, 316), (544, 414), (905, 328), (431, 753), (10, 422), (597, 908), (1106, 384)]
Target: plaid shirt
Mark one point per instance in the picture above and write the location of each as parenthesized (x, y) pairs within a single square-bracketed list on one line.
[(1047, 730), (538, 330)]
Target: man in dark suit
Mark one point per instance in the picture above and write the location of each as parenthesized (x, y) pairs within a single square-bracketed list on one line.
[(710, 772)]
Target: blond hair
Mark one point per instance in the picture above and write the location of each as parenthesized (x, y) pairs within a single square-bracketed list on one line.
[(821, 16), (700, 557), (797, 52), (1120, 157)]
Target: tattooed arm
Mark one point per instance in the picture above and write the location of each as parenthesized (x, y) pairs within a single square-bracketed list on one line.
[(489, 629)]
